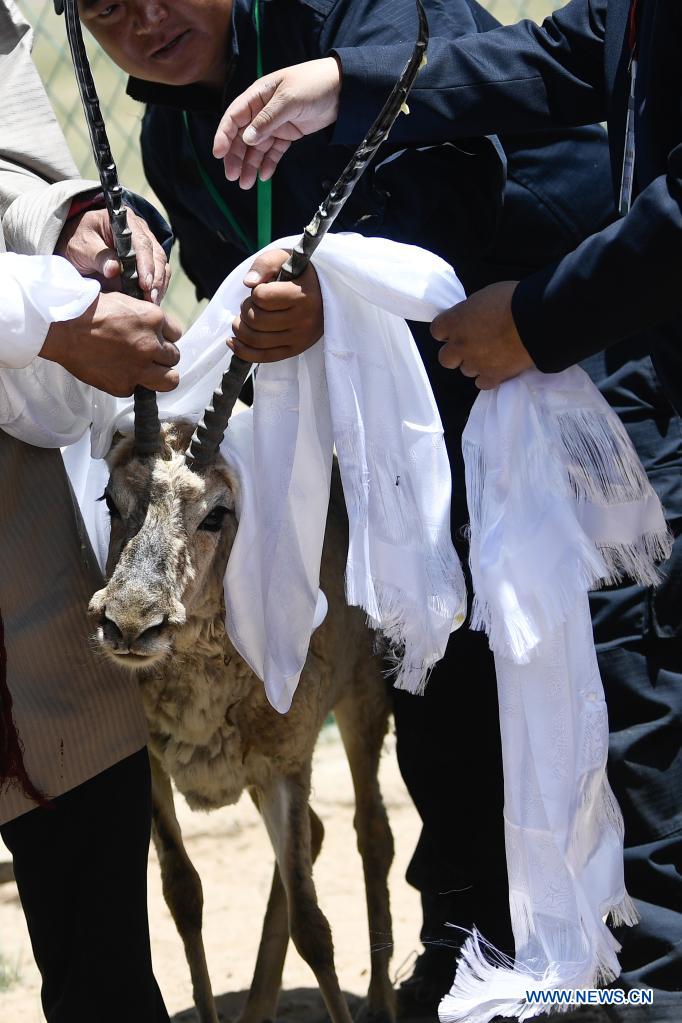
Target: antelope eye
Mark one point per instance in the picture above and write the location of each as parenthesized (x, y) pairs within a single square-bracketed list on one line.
[(214, 520), (111, 506)]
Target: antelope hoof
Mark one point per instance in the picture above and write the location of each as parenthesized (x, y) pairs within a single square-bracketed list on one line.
[(367, 1015)]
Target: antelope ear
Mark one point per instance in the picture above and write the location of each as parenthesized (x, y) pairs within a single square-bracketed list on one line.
[(231, 496), (233, 492)]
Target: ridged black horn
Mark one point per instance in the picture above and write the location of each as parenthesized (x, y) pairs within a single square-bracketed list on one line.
[(207, 437), (147, 427)]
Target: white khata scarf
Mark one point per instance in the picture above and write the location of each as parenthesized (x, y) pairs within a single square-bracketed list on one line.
[(364, 394), (558, 503)]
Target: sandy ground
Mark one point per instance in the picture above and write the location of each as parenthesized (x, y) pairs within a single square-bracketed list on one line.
[(232, 854)]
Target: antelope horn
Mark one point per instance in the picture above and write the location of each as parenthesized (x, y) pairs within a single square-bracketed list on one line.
[(147, 426), (211, 429)]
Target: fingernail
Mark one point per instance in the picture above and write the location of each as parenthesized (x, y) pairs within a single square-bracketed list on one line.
[(149, 280), (230, 343), (155, 296), (251, 278), (111, 267), (250, 136)]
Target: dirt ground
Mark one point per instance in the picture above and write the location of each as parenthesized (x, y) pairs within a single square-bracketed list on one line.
[(232, 854)]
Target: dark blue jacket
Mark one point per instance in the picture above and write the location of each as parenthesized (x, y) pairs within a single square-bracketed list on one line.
[(447, 198), (572, 70)]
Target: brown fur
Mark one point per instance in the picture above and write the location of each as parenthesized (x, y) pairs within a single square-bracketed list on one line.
[(214, 733)]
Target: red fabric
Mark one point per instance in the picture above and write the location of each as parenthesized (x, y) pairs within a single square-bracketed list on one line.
[(12, 769), (632, 27), (85, 202)]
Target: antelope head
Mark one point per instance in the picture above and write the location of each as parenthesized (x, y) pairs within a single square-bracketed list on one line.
[(171, 498)]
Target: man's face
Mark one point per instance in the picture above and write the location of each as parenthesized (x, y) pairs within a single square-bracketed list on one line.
[(174, 42)]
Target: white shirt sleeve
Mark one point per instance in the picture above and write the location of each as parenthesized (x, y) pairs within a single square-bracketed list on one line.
[(36, 291)]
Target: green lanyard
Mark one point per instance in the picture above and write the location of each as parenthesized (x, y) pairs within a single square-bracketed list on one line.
[(263, 188)]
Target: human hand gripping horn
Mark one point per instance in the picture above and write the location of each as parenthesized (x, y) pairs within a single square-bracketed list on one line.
[(147, 427), (211, 428)]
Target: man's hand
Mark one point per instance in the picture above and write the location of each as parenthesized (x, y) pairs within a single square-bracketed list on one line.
[(87, 242), (482, 339), (259, 126), (278, 320), (117, 343)]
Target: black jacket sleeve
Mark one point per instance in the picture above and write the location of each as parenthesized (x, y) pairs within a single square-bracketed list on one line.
[(514, 79), (154, 220), (526, 77), (622, 280)]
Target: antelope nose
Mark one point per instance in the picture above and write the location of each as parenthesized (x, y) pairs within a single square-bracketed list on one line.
[(122, 636)]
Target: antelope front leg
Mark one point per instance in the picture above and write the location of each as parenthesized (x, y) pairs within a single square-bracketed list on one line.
[(284, 808), (261, 1004), (362, 718), (181, 889)]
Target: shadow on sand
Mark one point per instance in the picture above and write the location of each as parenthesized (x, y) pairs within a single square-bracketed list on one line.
[(300, 1005)]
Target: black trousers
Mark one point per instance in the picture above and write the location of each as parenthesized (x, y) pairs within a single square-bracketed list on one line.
[(81, 870), (449, 752), (640, 660)]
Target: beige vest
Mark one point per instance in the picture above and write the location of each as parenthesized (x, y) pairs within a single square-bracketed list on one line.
[(75, 713)]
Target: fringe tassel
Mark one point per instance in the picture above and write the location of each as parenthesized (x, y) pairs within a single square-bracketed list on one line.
[(411, 653), (624, 914), (474, 474), (516, 634), (514, 638), (416, 634), (636, 561), (489, 984), (12, 767), (602, 465)]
